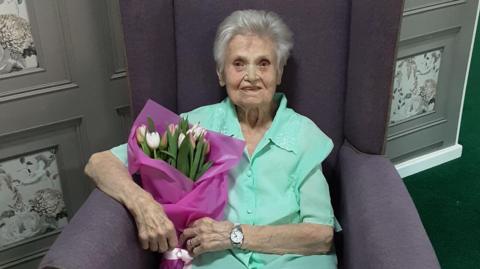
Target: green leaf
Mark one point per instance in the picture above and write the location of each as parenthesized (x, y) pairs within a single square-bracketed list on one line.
[(183, 125), (180, 125), (172, 147), (196, 160), (168, 154), (204, 148), (183, 164), (203, 169), (145, 148), (151, 125), (191, 151), (175, 144)]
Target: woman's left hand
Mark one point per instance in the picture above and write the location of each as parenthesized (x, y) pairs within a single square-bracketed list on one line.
[(207, 235)]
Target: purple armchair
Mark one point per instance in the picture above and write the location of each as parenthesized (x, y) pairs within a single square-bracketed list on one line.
[(339, 75)]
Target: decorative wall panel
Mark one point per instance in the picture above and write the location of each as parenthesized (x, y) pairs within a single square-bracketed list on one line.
[(429, 79), (17, 48), (116, 36), (415, 85), (31, 198)]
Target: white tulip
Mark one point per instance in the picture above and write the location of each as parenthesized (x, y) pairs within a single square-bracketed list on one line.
[(180, 139), (153, 140)]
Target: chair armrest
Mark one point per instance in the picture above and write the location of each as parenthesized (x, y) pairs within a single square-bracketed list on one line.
[(381, 226), (102, 234)]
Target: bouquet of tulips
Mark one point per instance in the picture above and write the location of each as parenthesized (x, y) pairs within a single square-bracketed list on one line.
[(180, 146), (184, 167)]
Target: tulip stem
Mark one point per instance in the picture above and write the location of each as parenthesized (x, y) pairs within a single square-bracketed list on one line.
[(145, 148)]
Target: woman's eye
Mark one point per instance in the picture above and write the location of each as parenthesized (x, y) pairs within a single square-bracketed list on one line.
[(264, 63), (238, 64)]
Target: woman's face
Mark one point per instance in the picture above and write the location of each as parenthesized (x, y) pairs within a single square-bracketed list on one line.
[(250, 73)]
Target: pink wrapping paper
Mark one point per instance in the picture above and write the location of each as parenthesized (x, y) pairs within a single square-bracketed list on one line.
[(183, 200)]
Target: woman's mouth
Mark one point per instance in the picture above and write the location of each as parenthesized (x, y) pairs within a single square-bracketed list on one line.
[(250, 88)]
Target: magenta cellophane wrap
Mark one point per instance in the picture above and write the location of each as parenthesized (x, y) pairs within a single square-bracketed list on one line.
[(183, 200)]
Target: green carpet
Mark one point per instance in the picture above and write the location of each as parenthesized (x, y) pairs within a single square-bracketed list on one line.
[(448, 196)]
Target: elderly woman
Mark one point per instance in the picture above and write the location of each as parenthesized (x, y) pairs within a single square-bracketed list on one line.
[(279, 213)]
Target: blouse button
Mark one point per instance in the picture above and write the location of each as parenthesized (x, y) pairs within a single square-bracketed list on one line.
[(249, 173)]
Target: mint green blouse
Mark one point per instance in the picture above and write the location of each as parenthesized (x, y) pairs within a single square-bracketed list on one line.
[(280, 183)]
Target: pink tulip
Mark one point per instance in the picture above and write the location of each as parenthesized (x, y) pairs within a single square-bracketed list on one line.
[(141, 130), (207, 145), (192, 140), (171, 128), (197, 130), (163, 142)]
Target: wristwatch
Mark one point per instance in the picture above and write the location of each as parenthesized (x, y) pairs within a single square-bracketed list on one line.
[(236, 236)]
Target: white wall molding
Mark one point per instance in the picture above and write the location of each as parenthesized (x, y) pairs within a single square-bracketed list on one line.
[(470, 53), (429, 160)]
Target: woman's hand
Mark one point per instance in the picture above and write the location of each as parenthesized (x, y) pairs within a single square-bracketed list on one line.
[(207, 235), (155, 231)]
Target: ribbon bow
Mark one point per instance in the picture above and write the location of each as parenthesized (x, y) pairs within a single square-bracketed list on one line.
[(179, 254)]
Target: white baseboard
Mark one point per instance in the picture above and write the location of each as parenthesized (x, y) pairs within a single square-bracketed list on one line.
[(429, 160)]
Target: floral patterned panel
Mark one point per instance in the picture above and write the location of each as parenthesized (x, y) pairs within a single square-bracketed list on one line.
[(17, 50), (31, 200), (415, 85)]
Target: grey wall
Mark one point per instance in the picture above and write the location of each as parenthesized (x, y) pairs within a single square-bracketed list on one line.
[(431, 71), (69, 101)]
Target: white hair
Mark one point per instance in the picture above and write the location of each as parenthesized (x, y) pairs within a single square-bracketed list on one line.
[(257, 22)]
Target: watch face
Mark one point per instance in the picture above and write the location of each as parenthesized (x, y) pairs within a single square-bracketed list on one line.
[(236, 236)]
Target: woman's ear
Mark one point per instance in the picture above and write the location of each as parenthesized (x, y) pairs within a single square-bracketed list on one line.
[(220, 78)]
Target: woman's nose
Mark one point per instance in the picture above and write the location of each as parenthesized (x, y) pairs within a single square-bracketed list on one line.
[(252, 73)]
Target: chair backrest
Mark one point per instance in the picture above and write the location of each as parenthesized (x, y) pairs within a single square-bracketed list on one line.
[(169, 45)]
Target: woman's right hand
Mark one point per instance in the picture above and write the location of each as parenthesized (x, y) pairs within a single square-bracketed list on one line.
[(155, 231)]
